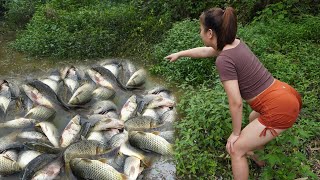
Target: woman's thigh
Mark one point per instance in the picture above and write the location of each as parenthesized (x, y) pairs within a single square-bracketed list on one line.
[(250, 138), (253, 115)]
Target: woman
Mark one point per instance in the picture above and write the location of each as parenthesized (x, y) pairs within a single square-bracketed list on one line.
[(275, 104)]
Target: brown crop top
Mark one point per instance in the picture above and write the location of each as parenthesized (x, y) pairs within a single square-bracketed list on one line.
[(239, 63)]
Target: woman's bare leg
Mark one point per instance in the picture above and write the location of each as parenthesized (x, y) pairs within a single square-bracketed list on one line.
[(254, 115), (249, 140)]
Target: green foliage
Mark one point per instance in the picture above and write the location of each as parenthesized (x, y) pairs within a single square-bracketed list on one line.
[(288, 9), (91, 30), (203, 130), (183, 35), (20, 12)]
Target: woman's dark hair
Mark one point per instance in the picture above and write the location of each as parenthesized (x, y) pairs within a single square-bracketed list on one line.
[(222, 22)]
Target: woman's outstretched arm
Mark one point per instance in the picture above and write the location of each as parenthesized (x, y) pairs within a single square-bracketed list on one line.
[(199, 52)]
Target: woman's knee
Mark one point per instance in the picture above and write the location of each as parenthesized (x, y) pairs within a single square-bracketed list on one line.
[(238, 151)]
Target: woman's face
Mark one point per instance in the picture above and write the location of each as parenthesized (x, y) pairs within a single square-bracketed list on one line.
[(208, 37)]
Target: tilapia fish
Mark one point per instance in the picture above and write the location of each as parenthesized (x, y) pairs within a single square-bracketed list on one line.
[(132, 167), (138, 78), (40, 113), (103, 93), (82, 95), (102, 107), (71, 132), (5, 96), (129, 108), (95, 169), (150, 142), (18, 123), (50, 131)]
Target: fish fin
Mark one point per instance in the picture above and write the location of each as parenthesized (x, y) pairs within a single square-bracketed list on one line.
[(86, 160), (124, 177), (29, 114), (141, 132), (148, 160), (156, 133), (103, 160)]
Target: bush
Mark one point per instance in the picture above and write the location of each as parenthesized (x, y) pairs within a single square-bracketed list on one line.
[(18, 13)]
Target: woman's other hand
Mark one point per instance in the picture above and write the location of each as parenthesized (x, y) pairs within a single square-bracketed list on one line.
[(173, 57), (231, 140)]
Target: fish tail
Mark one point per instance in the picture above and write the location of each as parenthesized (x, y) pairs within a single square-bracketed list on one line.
[(3, 115), (124, 177), (147, 160)]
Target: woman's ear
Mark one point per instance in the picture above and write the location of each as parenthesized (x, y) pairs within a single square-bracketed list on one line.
[(210, 33)]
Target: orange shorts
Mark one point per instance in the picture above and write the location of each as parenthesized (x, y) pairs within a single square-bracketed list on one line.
[(279, 106)]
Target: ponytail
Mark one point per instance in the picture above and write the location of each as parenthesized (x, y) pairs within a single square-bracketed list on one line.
[(229, 26), (223, 23)]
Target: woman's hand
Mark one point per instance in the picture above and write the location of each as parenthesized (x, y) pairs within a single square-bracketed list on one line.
[(172, 57), (231, 140)]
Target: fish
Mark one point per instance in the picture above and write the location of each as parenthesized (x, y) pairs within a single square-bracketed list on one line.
[(128, 69), (132, 167), (141, 123), (40, 113), (42, 94), (108, 123), (42, 147), (26, 156), (8, 141), (84, 148), (32, 136), (71, 132), (103, 93), (155, 101), (102, 107), (71, 77), (118, 139), (82, 95), (50, 171), (105, 78), (158, 89), (97, 136), (5, 96), (151, 113), (50, 131), (8, 166), (129, 108), (19, 123), (108, 134), (53, 80), (100, 80), (11, 154), (138, 78), (95, 169), (112, 66), (150, 142), (167, 114), (38, 163), (127, 149)]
